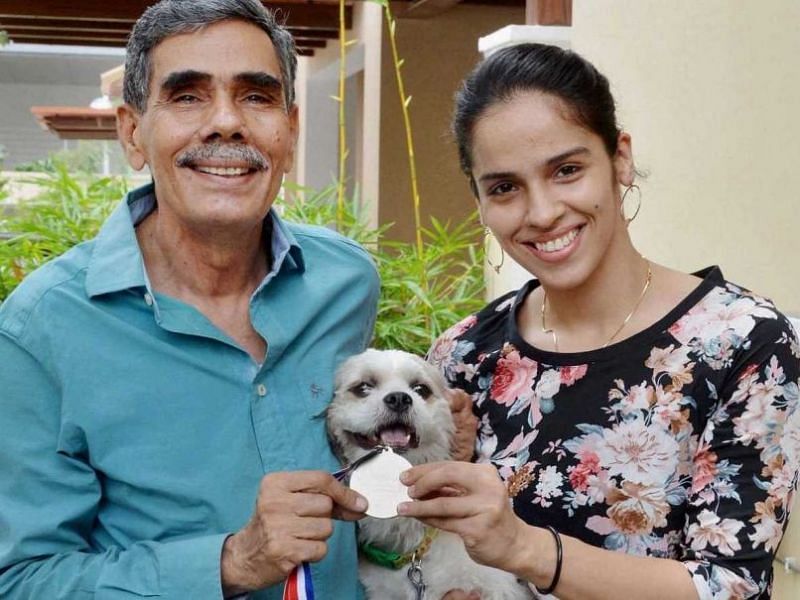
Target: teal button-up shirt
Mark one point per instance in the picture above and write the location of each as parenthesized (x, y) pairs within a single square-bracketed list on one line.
[(134, 433)]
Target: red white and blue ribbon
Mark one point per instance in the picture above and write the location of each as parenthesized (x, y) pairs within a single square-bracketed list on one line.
[(299, 585)]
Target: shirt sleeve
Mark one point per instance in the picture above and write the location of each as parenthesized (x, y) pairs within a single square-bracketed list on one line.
[(745, 468), (49, 501)]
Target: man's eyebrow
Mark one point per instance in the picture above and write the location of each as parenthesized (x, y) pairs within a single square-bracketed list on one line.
[(181, 79), (259, 79)]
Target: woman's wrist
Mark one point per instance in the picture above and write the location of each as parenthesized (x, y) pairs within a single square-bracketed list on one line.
[(535, 556)]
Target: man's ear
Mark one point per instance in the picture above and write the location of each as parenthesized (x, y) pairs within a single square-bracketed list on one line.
[(294, 130), (128, 134)]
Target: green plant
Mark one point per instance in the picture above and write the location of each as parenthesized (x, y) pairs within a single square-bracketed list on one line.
[(67, 210), (85, 156), (71, 208), (410, 316)]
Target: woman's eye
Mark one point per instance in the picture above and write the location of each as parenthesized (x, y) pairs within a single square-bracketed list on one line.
[(501, 188), (423, 390), (567, 171)]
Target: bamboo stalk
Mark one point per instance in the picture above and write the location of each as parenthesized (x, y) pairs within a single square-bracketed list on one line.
[(404, 103), (340, 184)]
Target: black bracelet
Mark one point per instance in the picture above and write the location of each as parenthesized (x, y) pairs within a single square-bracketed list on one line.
[(559, 558)]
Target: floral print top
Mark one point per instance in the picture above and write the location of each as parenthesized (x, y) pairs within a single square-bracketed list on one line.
[(682, 441)]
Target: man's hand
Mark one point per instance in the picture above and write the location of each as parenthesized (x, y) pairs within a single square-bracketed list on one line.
[(462, 446), (290, 525)]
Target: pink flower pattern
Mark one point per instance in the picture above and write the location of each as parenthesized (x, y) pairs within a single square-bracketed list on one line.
[(687, 446)]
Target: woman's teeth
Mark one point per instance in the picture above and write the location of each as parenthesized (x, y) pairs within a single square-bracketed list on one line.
[(225, 171), (558, 243)]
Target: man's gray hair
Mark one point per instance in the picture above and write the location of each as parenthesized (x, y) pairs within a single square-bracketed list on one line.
[(173, 17)]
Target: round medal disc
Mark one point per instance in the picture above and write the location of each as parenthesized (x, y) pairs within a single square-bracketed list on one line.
[(378, 480)]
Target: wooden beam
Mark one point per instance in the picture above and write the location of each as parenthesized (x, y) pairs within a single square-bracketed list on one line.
[(310, 43), (70, 42), (112, 42), (320, 13), (123, 27), (61, 37), (424, 9), (89, 134), (29, 25), (548, 12)]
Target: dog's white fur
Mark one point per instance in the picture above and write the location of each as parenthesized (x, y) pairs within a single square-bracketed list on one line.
[(355, 409)]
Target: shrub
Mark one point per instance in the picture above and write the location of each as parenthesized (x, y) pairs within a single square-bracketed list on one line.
[(421, 294)]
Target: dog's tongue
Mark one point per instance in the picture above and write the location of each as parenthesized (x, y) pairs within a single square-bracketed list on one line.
[(395, 436)]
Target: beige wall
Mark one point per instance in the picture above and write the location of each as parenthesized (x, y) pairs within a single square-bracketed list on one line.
[(710, 92), (438, 53)]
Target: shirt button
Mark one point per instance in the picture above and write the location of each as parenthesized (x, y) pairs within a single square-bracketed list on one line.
[(148, 299), (261, 390)]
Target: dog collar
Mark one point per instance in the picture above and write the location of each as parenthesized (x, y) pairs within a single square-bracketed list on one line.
[(395, 560)]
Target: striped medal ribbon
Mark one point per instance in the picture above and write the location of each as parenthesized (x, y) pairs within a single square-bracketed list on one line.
[(299, 585)]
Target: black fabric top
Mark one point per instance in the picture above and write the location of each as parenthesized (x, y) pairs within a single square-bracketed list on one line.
[(681, 441)]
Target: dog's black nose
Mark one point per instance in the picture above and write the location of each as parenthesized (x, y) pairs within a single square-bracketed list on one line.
[(397, 401)]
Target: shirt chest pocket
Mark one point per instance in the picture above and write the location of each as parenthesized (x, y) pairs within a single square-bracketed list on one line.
[(315, 394)]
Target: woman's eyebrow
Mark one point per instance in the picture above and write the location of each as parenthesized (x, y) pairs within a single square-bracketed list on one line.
[(496, 175), (551, 162)]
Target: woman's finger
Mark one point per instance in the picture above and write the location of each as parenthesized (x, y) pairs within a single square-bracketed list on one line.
[(467, 477), (444, 507)]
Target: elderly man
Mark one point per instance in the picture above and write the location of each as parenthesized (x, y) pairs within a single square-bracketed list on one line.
[(161, 385)]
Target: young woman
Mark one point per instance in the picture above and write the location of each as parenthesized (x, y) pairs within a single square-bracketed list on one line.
[(643, 421)]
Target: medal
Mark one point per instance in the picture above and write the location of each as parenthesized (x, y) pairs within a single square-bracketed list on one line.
[(378, 480)]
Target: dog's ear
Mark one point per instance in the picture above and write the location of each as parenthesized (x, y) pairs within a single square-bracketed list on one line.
[(436, 377)]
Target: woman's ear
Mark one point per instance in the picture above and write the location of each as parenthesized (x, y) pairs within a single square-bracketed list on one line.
[(128, 134), (624, 168)]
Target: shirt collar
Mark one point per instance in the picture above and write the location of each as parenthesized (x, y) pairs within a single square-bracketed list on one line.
[(116, 263)]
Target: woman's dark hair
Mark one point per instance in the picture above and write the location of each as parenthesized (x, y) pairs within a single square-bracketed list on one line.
[(535, 68)]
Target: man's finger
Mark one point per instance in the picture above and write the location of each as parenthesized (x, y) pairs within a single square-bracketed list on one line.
[(344, 498), (308, 504), (343, 514)]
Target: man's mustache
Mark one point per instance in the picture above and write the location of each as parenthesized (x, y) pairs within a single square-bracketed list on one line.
[(239, 153)]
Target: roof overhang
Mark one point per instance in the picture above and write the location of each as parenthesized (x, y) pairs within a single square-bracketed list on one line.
[(78, 123)]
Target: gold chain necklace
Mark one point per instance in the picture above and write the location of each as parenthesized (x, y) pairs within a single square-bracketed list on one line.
[(625, 322)]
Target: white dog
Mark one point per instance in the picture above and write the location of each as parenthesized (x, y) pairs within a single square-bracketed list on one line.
[(397, 399)]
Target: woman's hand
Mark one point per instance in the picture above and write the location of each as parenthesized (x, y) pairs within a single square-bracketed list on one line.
[(461, 595), (462, 446), (471, 501)]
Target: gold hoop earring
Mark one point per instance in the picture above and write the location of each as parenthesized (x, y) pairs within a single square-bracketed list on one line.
[(486, 239), (635, 187)]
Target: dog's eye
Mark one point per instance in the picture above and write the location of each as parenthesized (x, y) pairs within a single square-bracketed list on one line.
[(423, 390), (362, 389)]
